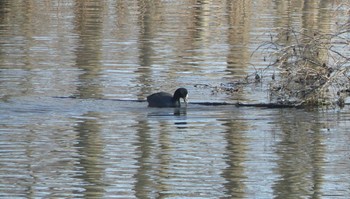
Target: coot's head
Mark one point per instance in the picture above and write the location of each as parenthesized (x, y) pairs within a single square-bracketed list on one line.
[(181, 93)]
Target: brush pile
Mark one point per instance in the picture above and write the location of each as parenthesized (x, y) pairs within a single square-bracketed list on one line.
[(310, 68)]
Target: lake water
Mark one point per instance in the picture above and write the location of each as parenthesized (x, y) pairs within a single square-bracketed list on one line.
[(74, 124)]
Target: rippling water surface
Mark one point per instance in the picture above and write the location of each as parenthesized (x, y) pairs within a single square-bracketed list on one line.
[(73, 123)]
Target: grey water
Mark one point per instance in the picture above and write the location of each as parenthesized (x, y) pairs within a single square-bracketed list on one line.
[(74, 124)]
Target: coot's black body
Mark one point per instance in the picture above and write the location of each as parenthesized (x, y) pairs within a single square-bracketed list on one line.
[(163, 99)]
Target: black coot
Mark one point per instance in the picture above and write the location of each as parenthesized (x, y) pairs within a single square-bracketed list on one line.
[(163, 99)]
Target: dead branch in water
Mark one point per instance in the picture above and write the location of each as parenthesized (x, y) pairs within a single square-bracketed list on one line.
[(239, 104)]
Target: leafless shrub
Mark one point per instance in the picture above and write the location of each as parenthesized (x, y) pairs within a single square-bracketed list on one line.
[(313, 67)]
